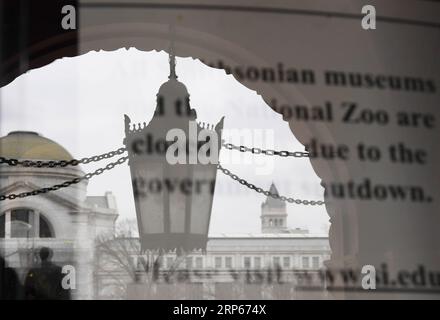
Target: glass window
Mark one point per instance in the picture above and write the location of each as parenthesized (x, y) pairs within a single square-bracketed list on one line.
[(24, 224), (276, 261), (20, 226), (315, 262), (247, 262), (199, 262), (189, 261), (286, 262), (305, 262), (45, 231), (257, 262), (218, 262), (228, 262)]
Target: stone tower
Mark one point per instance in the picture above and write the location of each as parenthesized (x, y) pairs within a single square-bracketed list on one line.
[(273, 214)]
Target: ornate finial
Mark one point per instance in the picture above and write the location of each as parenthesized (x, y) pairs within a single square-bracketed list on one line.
[(172, 57), (127, 123), (172, 67)]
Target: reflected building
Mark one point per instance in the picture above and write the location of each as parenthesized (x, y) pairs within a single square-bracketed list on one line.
[(73, 224), (67, 220), (264, 265)]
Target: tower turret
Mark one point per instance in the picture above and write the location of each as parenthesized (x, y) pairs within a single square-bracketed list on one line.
[(273, 214)]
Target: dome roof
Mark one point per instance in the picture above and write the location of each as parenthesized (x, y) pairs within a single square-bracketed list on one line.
[(31, 145), (173, 88)]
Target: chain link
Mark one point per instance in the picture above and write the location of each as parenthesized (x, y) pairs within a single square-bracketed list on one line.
[(111, 154), (75, 162), (268, 152), (65, 184), (61, 163), (265, 192)]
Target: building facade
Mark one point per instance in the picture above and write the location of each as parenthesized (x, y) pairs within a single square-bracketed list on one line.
[(66, 221), (277, 263)]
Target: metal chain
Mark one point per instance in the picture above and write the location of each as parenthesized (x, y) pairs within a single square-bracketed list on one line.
[(75, 162), (268, 152), (65, 184), (111, 165), (111, 154), (61, 163), (265, 192)]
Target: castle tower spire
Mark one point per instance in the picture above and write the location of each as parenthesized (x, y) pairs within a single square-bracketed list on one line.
[(172, 61), (273, 214), (172, 56)]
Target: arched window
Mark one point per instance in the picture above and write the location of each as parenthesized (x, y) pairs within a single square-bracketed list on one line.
[(24, 223), (45, 228)]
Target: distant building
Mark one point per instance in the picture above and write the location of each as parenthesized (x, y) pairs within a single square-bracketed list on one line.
[(235, 266), (67, 220), (274, 215)]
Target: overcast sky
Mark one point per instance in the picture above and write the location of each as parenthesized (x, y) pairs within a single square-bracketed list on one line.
[(80, 102)]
